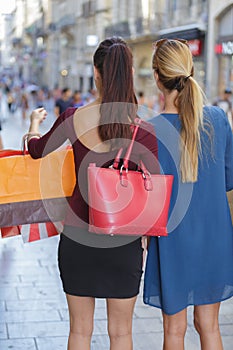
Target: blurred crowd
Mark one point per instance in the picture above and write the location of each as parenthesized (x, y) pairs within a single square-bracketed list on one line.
[(23, 98)]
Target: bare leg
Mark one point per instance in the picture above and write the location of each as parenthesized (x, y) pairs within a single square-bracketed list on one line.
[(120, 314), (174, 330), (207, 326), (81, 312)]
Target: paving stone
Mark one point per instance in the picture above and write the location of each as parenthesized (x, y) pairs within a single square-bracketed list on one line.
[(2, 306), (45, 292), (229, 318), (49, 262), (3, 332), (149, 341), (227, 342), (147, 312), (100, 342), (30, 253), (50, 283), (35, 305), (37, 329), (191, 339), (9, 278), (31, 271), (227, 307), (139, 302), (14, 263), (40, 277), (100, 327), (17, 284), (146, 325), (29, 316), (8, 293), (49, 343), (227, 329), (100, 314), (18, 344), (100, 303)]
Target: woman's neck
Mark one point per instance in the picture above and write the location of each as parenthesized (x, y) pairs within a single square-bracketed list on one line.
[(169, 101)]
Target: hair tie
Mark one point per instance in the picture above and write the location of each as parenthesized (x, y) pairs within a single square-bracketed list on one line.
[(117, 44), (186, 78)]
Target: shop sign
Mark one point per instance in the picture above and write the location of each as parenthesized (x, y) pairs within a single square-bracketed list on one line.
[(224, 48), (195, 47)]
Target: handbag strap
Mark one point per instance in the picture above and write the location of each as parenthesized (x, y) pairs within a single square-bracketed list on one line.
[(129, 149)]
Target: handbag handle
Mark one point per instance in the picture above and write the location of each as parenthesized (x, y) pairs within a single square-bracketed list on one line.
[(129, 149), (123, 176)]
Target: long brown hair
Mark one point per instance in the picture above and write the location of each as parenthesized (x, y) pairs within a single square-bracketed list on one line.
[(173, 62), (114, 61)]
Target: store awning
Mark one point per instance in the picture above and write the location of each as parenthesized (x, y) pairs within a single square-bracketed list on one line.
[(188, 32)]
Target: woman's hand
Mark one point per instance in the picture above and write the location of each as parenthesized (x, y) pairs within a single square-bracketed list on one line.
[(38, 115)]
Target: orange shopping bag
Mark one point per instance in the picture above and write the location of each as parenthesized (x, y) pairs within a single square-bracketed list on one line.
[(35, 191)]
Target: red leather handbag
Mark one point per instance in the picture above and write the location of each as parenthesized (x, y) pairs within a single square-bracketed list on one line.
[(126, 202)]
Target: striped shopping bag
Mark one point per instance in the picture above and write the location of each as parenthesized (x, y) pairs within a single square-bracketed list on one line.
[(11, 231), (32, 232), (35, 232)]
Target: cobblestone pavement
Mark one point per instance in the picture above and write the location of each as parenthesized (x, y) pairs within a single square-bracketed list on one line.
[(33, 310)]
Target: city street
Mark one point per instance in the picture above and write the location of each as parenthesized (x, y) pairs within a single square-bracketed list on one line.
[(33, 310)]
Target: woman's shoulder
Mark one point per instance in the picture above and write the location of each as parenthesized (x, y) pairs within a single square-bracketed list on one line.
[(146, 131), (145, 126), (69, 112), (216, 116)]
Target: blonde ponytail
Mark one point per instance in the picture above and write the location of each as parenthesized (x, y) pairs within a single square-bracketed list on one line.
[(190, 109), (172, 60)]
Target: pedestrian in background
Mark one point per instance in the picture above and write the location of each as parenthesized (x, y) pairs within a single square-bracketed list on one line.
[(64, 102), (99, 266), (77, 100), (24, 104), (1, 143), (10, 101), (225, 103), (194, 264)]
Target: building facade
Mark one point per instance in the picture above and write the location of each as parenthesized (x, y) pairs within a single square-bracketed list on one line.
[(219, 69), (52, 41)]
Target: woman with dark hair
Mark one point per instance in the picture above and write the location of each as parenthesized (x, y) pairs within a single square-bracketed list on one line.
[(194, 264), (99, 266)]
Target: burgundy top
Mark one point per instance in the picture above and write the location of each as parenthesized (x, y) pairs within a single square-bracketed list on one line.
[(145, 149)]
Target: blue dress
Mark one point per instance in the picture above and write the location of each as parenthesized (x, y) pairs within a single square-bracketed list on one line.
[(194, 264)]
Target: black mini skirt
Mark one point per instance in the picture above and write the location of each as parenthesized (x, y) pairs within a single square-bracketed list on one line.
[(112, 272)]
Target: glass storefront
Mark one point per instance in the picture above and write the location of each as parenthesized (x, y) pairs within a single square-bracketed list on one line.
[(225, 73), (224, 51)]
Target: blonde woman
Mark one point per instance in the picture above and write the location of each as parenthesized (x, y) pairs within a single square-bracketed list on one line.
[(194, 264)]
